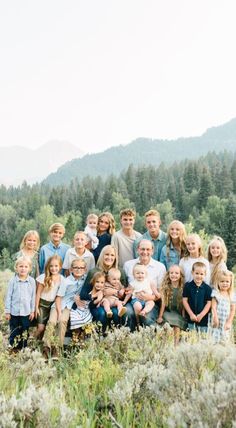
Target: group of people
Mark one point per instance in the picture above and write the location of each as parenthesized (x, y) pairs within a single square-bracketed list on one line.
[(122, 277)]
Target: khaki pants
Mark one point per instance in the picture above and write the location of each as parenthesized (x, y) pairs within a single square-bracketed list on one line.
[(49, 335)]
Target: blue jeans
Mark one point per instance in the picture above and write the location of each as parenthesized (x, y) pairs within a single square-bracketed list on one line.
[(19, 326), (196, 327)]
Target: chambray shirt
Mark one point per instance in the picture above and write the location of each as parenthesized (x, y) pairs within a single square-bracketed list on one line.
[(172, 258), (69, 289), (49, 250), (20, 298), (158, 243)]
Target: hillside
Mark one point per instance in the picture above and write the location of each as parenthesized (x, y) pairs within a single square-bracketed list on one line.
[(146, 151), (20, 163)]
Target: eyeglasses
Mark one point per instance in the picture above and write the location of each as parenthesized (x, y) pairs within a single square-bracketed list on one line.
[(78, 267)]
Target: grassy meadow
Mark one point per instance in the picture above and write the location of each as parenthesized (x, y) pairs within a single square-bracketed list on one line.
[(122, 380)]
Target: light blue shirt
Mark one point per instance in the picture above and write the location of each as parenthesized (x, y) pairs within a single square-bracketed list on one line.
[(69, 289), (173, 257), (49, 250), (20, 298), (158, 243)]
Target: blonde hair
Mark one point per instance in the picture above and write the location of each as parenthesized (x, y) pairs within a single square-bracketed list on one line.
[(23, 259), (91, 216), (199, 241), (220, 259), (225, 273), (56, 226), (81, 261), (27, 235), (111, 228), (100, 262), (152, 212), (182, 238), (80, 232), (198, 265), (48, 276), (112, 271), (167, 289)]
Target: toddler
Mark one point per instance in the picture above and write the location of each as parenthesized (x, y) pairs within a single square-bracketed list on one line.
[(113, 289)]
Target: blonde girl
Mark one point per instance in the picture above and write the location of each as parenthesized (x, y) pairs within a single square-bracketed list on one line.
[(223, 306), (49, 285), (194, 253), (29, 247), (217, 257), (172, 310), (175, 247)]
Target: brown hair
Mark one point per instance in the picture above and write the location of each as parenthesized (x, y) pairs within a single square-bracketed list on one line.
[(199, 265), (167, 289), (127, 212), (111, 229), (96, 276)]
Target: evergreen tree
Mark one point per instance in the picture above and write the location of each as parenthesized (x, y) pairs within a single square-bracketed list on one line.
[(229, 230), (206, 188)]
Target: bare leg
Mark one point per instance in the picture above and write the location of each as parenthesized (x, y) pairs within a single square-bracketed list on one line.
[(121, 309), (176, 335), (40, 331), (149, 305), (107, 307)]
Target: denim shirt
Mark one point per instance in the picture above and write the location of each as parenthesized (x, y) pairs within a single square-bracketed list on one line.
[(20, 298), (49, 250), (69, 290), (173, 257)]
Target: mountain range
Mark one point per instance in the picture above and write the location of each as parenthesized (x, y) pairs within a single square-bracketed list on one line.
[(145, 151), (20, 163)]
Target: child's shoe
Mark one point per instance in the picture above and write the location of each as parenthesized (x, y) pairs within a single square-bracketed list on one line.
[(109, 314), (122, 311)]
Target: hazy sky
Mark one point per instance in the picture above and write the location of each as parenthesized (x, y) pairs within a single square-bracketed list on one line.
[(100, 73)]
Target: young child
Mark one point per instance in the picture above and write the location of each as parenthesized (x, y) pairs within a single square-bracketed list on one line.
[(98, 283), (79, 251), (194, 253), (49, 285), (140, 284), (197, 299), (217, 257), (171, 309), (55, 246), (91, 231), (175, 247), (20, 303), (113, 289), (29, 247), (223, 307), (80, 314)]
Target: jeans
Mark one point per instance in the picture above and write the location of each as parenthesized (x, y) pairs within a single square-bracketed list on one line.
[(194, 326), (19, 326)]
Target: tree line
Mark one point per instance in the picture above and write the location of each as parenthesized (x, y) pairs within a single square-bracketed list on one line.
[(199, 192)]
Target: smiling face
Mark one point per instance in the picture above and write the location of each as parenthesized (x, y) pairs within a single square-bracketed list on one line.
[(92, 222), (109, 258), (225, 283), (80, 240), (140, 272), (127, 223), (193, 245), (145, 251), (103, 224), (99, 283), (78, 268), (153, 223), (215, 250), (31, 242), (174, 274), (199, 274), (56, 236), (54, 267), (114, 278)]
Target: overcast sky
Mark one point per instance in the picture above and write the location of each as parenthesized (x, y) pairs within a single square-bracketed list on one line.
[(100, 73)]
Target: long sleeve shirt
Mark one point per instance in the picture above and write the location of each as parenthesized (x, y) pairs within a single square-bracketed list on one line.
[(20, 298)]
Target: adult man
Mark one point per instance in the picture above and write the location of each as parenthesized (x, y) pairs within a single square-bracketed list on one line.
[(123, 240), (153, 234), (156, 272)]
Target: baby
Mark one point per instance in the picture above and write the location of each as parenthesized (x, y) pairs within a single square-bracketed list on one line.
[(91, 231), (113, 290)]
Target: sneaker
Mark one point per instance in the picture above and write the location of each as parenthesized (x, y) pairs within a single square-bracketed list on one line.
[(55, 354)]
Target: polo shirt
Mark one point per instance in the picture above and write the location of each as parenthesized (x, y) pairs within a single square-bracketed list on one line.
[(158, 243), (197, 300)]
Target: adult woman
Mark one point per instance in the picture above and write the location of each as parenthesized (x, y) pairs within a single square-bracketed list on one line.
[(105, 230), (108, 259)]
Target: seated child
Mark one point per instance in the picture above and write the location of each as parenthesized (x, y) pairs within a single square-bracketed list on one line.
[(113, 289), (91, 231), (197, 299), (98, 284), (139, 287)]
